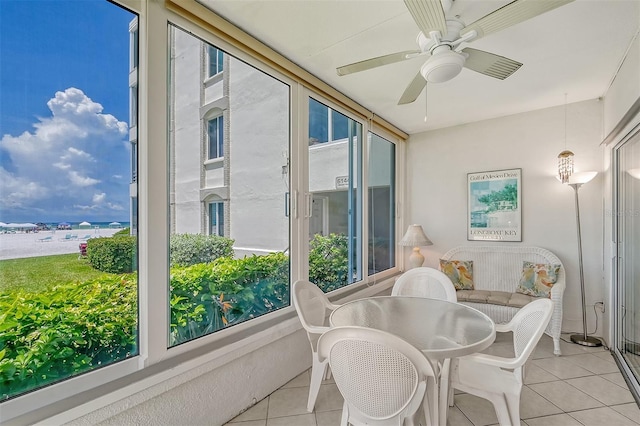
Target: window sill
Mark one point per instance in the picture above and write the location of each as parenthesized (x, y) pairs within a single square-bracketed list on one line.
[(214, 161), (210, 81)]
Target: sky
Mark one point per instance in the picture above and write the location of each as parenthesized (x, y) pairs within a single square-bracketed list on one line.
[(64, 111)]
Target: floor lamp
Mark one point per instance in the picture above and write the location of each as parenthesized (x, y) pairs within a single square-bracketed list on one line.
[(576, 181)]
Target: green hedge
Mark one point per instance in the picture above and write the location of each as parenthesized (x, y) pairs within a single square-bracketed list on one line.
[(64, 331), (115, 255), (209, 296), (191, 249), (328, 261)]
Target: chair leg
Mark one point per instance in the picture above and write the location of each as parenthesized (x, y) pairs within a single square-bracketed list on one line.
[(318, 371), (502, 410), (444, 393), (556, 346), (327, 374), (513, 405), (344, 420), (433, 389)]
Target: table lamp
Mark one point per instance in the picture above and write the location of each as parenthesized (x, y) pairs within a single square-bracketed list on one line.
[(415, 237)]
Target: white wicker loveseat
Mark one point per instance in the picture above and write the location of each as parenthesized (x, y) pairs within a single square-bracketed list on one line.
[(496, 273)]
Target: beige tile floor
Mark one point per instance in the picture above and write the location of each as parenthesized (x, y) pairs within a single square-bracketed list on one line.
[(581, 388)]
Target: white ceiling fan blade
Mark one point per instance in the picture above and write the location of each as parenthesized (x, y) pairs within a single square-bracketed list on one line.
[(511, 14), (413, 90), (428, 14), (490, 64), (376, 62)]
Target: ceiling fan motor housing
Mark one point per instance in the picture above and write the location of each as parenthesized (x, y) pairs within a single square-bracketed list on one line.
[(444, 65)]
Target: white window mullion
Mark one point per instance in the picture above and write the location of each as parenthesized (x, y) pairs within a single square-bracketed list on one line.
[(153, 238)]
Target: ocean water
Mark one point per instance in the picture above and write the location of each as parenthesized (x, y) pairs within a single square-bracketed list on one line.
[(94, 225)]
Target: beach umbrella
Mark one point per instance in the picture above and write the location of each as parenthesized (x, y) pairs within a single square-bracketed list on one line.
[(85, 224), (115, 225)]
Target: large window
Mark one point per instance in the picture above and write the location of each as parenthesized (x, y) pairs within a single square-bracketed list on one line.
[(335, 182), (243, 274), (233, 193), (68, 259)]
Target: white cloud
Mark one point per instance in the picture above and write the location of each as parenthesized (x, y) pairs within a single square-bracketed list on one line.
[(74, 152), (84, 208), (62, 166), (113, 206), (66, 163), (99, 198), (78, 180), (17, 192)]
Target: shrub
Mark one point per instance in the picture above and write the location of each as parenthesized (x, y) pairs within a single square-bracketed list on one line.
[(209, 296), (65, 330), (114, 255), (190, 249), (328, 266)]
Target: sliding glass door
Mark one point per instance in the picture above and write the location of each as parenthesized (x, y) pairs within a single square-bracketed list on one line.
[(627, 190)]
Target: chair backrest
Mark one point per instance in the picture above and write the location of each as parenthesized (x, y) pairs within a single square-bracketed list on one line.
[(382, 378), (528, 325), (313, 307), (425, 282)]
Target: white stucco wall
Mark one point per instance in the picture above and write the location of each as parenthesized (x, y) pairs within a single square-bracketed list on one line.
[(327, 161), (437, 167), (380, 167), (258, 153), (186, 163)]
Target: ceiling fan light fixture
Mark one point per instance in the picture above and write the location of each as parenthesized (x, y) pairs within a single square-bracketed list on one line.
[(442, 66)]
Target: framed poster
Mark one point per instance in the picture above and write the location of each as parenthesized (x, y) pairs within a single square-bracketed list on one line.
[(494, 206)]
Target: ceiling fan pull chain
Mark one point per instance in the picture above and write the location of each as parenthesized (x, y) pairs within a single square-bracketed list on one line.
[(426, 103)]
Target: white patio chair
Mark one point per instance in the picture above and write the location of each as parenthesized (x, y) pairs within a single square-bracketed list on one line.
[(434, 284), (384, 380), (500, 379), (425, 282), (313, 308)]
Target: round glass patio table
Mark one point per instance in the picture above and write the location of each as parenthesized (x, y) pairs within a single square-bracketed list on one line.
[(440, 329)]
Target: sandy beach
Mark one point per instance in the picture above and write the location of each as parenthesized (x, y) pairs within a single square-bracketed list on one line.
[(21, 245)]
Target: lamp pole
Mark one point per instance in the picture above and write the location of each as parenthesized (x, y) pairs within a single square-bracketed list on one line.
[(583, 339)]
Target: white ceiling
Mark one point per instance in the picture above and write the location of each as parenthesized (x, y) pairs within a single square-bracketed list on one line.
[(575, 49)]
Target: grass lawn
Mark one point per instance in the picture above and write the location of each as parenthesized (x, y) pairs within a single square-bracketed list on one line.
[(38, 273)]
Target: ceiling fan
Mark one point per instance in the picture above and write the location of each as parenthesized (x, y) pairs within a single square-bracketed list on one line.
[(440, 37)]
